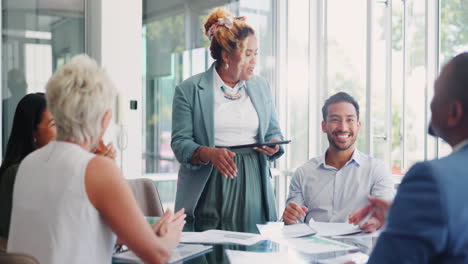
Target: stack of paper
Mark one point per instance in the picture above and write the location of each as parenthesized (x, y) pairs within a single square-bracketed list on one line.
[(241, 257), (361, 235), (334, 229), (355, 258), (316, 245), (277, 230), (298, 230), (298, 236), (182, 252), (220, 237)]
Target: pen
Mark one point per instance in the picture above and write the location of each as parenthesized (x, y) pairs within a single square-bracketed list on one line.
[(306, 213), (365, 219)]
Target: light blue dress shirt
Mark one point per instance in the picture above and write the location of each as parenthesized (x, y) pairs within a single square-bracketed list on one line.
[(331, 194)]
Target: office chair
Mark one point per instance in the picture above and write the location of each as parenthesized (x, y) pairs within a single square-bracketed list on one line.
[(17, 258), (147, 196)]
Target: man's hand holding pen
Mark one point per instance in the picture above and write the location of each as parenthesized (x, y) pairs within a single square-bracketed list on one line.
[(294, 212)]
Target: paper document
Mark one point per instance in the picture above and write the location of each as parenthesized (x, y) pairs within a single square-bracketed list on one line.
[(298, 230), (182, 252), (355, 258), (272, 231), (361, 235), (242, 257), (334, 229), (316, 245), (277, 230), (220, 237)]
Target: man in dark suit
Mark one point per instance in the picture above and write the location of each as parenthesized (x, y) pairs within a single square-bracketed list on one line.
[(427, 222)]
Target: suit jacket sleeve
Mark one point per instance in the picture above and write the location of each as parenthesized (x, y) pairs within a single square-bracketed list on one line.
[(182, 142), (417, 222)]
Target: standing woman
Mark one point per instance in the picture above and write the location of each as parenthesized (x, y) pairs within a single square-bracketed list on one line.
[(226, 105)]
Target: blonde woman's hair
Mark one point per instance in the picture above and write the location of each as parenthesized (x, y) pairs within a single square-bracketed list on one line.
[(78, 95), (225, 38)]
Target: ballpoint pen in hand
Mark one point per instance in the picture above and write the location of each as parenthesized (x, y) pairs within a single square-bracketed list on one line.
[(306, 213), (365, 219)]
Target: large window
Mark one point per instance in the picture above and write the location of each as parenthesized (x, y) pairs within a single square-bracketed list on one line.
[(386, 54), (37, 37), (346, 54), (297, 82), (453, 39), (383, 55)]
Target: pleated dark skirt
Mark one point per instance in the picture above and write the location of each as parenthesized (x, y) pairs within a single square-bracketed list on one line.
[(239, 199)]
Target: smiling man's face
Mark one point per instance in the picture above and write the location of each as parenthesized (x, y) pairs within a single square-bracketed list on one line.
[(341, 125)]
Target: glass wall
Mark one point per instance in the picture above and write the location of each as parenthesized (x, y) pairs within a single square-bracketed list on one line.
[(378, 53), (298, 57), (176, 48), (453, 33), (414, 84), (37, 37), (346, 54), (389, 47), (382, 56), (397, 87)]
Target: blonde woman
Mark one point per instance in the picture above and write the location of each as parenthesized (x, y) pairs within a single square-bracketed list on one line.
[(226, 105), (69, 204)]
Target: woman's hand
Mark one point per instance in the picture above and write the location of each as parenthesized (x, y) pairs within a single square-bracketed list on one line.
[(105, 150), (221, 158), (173, 226), (161, 227), (269, 151)]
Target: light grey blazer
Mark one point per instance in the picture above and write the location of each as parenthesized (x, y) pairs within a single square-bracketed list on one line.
[(193, 126)]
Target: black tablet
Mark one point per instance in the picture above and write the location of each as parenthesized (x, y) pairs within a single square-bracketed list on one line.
[(270, 144)]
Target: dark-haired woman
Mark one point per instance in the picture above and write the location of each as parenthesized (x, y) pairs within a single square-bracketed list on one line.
[(226, 105), (33, 127)]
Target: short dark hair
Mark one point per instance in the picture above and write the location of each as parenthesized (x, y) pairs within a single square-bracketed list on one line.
[(457, 79), (27, 117), (338, 98)]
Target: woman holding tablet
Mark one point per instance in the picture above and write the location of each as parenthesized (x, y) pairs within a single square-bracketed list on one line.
[(226, 106)]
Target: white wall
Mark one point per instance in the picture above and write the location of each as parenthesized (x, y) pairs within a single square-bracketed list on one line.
[(114, 39)]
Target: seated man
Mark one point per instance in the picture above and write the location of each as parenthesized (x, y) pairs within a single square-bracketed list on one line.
[(329, 187)]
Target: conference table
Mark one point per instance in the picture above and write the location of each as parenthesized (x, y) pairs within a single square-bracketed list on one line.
[(218, 254)]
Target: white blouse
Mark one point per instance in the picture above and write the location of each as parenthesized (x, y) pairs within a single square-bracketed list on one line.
[(235, 121)]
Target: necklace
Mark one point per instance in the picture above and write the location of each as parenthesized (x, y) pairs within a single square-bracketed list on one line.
[(229, 96)]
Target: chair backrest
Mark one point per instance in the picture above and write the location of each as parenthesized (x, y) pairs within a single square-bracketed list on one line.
[(147, 196), (17, 258)]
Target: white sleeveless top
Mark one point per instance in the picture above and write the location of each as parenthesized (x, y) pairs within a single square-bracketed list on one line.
[(52, 217)]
